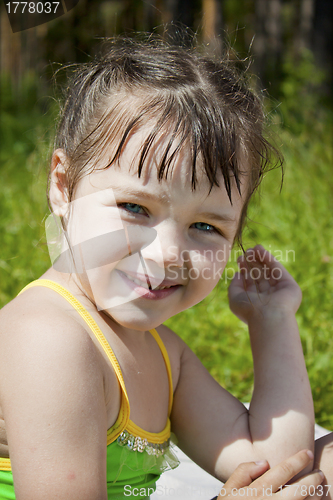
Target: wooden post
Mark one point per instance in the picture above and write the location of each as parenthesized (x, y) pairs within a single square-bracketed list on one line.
[(212, 25)]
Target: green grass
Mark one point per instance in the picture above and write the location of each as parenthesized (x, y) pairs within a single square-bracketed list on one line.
[(297, 220), (25, 133)]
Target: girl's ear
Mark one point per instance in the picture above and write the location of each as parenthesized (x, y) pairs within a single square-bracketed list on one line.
[(58, 194)]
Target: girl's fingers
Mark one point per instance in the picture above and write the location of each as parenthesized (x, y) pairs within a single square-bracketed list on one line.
[(268, 260), (284, 472), (306, 487), (262, 267), (273, 482), (255, 274), (317, 496), (245, 474), (258, 256)]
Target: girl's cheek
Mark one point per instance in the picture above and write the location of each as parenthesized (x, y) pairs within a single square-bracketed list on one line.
[(211, 262), (89, 223), (93, 215)]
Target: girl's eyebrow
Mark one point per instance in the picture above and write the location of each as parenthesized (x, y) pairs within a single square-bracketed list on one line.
[(123, 191), (217, 217)]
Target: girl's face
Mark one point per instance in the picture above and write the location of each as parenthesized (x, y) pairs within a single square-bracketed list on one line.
[(150, 249)]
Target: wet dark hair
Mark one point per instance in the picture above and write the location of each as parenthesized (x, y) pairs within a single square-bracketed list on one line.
[(201, 102)]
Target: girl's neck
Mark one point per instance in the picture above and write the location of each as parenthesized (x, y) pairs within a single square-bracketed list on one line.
[(73, 285)]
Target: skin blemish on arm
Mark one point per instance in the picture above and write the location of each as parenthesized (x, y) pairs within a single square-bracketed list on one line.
[(71, 476)]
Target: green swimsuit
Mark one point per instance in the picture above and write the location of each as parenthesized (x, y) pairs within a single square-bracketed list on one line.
[(135, 458)]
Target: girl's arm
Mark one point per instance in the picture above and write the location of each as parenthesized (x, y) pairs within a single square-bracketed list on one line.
[(52, 397), (214, 428)]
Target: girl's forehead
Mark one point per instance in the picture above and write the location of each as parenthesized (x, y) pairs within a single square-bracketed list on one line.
[(180, 170), (164, 147), (176, 177), (174, 190)]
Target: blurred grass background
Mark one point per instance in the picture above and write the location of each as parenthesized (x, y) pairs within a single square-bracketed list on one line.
[(297, 223)]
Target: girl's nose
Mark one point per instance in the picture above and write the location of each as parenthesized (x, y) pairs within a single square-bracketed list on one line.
[(168, 248)]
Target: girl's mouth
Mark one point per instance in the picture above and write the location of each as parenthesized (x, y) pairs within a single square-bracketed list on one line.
[(144, 288)]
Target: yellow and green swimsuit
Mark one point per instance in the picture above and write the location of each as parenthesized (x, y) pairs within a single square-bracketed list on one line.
[(135, 458)]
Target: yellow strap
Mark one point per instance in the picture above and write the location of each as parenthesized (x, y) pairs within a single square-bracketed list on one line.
[(5, 464), (124, 412), (152, 437), (167, 363), (123, 421)]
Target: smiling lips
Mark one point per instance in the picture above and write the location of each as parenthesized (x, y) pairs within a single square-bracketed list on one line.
[(145, 281), (140, 284)]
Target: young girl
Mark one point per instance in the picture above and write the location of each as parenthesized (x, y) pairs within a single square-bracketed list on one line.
[(159, 150)]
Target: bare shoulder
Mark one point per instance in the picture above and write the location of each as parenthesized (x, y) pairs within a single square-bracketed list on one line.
[(51, 394), (39, 323), (43, 344)]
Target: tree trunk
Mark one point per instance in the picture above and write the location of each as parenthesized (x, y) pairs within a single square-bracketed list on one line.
[(322, 43), (305, 25), (149, 15), (212, 25), (10, 62), (267, 45)]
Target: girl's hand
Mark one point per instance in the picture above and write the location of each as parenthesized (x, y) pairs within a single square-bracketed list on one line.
[(253, 480), (262, 285)]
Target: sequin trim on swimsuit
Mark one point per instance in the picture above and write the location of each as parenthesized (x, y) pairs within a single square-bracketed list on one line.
[(136, 443)]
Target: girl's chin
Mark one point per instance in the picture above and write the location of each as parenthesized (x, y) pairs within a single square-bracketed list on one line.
[(134, 319)]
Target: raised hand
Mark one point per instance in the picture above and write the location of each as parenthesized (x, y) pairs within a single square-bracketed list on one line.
[(262, 285)]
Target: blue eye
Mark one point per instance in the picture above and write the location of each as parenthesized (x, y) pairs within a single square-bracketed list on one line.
[(203, 226), (133, 208)]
